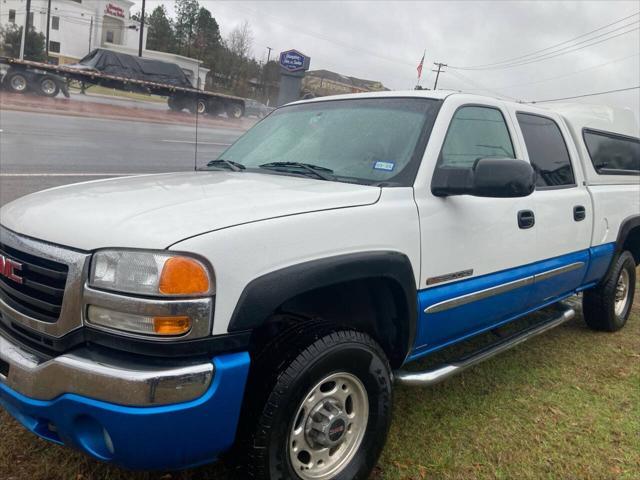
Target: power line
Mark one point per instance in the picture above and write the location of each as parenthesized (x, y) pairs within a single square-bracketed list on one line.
[(564, 51), (587, 95), (313, 34), (569, 74), (479, 86), (514, 59)]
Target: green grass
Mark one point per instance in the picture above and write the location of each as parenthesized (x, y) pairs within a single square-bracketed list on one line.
[(565, 405), (112, 92)]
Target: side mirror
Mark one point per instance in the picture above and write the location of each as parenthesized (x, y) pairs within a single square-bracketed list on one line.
[(489, 177)]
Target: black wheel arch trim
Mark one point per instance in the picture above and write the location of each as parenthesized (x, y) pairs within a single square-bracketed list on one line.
[(626, 226), (262, 296)]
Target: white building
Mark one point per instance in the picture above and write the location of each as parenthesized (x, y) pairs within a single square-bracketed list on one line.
[(78, 26)]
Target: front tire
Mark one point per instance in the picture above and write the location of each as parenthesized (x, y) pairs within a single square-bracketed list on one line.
[(325, 408), (17, 82), (607, 306)]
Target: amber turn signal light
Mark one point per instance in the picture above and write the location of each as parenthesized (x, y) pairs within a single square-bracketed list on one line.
[(171, 325), (183, 276)]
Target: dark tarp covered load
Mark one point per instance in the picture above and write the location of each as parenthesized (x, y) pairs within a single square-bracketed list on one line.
[(129, 66)]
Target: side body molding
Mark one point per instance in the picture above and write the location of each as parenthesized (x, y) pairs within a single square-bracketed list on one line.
[(262, 296)]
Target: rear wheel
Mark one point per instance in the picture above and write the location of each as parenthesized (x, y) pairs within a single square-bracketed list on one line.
[(175, 104), (323, 408), (17, 82), (48, 87), (234, 110), (607, 306), (199, 106)]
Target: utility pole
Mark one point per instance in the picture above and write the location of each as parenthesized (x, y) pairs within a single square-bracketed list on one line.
[(141, 30), (46, 46), (439, 65), (25, 29), (90, 33), (264, 74)]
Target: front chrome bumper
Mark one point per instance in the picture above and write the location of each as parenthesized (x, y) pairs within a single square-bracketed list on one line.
[(101, 377)]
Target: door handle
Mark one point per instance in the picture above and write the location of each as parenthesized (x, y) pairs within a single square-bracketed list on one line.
[(579, 213), (526, 219)]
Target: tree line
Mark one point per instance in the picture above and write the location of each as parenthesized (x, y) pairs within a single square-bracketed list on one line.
[(195, 33)]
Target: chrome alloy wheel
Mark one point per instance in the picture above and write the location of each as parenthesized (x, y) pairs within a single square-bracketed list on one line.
[(18, 83), (329, 427), (623, 290), (48, 86)]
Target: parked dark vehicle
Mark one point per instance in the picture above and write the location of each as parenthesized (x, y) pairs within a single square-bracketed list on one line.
[(129, 66), (253, 108)]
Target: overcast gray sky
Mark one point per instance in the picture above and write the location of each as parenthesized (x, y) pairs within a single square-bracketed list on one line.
[(383, 40)]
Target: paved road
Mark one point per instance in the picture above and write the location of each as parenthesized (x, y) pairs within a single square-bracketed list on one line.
[(39, 151)]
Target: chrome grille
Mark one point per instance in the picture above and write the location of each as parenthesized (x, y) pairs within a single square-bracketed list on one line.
[(49, 301), (41, 292)]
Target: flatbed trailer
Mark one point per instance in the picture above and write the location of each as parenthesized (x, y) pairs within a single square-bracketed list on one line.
[(48, 80)]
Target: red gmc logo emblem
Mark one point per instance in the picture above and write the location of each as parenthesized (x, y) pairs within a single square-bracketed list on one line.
[(9, 269)]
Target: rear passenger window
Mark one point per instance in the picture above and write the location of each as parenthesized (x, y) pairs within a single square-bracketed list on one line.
[(613, 154), (547, 151), (475, 132)]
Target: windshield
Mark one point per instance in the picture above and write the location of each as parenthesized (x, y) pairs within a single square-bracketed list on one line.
[(366, 140)]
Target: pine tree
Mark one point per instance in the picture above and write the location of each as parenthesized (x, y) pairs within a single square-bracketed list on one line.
[(161, 36)]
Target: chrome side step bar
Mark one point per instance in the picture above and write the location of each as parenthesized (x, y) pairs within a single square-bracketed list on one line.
[(438, 374)]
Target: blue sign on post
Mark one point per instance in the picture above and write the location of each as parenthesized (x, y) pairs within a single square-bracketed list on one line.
[(293, 61)]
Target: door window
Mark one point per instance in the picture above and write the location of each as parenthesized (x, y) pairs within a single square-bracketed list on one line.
[(475, 132), (547, 149)]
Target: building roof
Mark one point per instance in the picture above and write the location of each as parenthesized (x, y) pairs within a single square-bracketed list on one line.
[(337, 77)]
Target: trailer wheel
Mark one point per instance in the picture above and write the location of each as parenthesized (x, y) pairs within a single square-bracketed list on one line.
[(175, 104), (17, 82), (199, 106), (214, 107), (234, 110), (48, 87)]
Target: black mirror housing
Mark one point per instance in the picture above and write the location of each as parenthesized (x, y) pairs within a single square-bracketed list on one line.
[(489, 177)]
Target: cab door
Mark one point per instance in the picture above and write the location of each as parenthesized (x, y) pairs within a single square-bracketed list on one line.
[(476, 252), (563, 209)]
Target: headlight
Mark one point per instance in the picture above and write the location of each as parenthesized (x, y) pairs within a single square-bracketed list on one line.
[(150, 273)]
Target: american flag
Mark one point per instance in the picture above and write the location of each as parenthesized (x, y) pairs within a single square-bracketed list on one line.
[(420, 66)]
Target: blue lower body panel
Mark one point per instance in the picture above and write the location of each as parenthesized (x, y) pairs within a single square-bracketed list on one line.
[(551, 280), (142, 438)]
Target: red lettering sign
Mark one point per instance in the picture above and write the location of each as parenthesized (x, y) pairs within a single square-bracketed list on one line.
[(114, 10)]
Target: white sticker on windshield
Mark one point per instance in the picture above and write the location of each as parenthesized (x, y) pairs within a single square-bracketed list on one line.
[(386, 166)]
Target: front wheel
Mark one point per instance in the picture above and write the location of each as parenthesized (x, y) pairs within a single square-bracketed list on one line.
[(607, 306), (17, 82), (327, 409)]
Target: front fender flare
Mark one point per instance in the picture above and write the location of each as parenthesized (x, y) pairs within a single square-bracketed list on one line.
[(262, 296)]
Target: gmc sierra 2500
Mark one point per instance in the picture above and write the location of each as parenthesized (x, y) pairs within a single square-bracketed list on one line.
[(270, 302)]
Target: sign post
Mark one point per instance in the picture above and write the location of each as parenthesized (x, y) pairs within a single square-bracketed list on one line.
[(293, 64)]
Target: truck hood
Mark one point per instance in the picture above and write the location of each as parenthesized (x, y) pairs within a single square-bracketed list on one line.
[(155, 211)]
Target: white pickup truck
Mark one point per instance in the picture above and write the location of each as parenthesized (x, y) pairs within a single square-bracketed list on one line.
[(267, 304)]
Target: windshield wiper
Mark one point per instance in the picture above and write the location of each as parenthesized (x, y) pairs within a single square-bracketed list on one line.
[(230, 164), (320, 172)]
